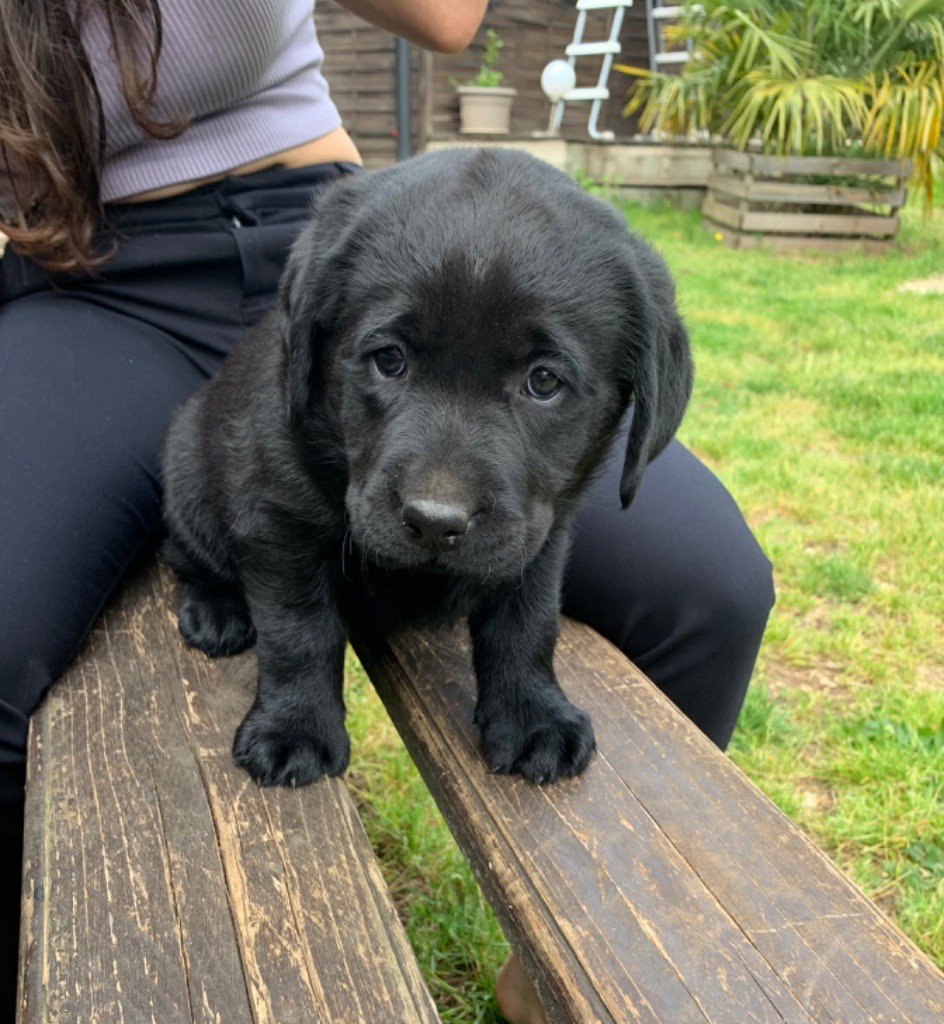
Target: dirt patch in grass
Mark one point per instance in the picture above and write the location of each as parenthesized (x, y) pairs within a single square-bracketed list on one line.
[(816, 796), (764, 514), (930, 677), (780, 677), (933, 285)]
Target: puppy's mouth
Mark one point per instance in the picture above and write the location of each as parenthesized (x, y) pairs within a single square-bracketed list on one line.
[(440, 565), (475, 557), (429, 536)]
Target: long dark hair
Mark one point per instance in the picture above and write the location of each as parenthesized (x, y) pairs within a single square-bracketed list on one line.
[(51, 125)]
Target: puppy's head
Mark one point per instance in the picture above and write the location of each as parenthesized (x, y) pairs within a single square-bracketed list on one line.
[(475, 325)]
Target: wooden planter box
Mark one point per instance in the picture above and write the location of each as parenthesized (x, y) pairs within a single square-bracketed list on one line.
[(804, 202)]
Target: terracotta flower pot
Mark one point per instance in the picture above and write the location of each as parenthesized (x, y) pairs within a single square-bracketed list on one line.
[(485, 110)]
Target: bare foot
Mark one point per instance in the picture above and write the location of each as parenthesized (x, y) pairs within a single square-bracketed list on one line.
[(515, 994)]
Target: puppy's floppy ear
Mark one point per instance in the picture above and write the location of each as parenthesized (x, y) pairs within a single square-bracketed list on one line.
[(663, 372), (311, 291)]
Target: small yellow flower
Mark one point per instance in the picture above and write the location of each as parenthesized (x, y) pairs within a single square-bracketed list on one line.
[(719, 237)]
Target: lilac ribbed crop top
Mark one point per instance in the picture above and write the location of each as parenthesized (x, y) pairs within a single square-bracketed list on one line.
[(246, 72)]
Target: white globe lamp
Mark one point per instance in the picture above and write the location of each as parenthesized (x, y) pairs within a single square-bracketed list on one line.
[(557, 79)]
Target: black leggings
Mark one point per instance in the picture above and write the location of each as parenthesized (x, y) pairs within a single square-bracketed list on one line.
[(91, 369)]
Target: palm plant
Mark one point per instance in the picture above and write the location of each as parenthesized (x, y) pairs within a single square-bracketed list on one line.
[(807, 76)]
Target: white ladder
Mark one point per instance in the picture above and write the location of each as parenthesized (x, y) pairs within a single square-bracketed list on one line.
[(608, 49), (657, 14)]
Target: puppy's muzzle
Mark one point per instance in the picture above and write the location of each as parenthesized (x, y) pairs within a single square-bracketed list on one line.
[(436, 525)]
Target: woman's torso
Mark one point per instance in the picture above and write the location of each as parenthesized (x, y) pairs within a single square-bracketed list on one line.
[(247, 75)]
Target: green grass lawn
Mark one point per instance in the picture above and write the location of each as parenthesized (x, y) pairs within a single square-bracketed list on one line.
[(820, 403)]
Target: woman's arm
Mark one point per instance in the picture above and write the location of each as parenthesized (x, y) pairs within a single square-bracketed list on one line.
[(444, 25)]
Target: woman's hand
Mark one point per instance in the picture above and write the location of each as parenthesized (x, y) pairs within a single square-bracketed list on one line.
[(446, 26)]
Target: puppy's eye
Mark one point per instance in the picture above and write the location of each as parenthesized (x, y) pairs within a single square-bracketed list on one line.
[(391, 362), (543, 384)]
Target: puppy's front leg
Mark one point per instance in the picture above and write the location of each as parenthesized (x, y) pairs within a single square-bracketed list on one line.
[(294, 732), (528, 726)]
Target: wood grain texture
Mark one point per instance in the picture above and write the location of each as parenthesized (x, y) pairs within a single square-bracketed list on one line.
[(661, 886), (756, 199), (761, 165), (162, 885), (862, 224), (789, 192), (734, 239), (637, 164)]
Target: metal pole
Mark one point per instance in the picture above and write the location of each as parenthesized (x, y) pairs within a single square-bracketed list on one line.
[(404, 124)]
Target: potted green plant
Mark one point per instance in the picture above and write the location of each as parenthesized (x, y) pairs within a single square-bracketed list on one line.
[(841, 98), (484, 104)]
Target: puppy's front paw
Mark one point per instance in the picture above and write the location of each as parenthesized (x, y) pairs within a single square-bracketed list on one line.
[(279, 753), (543, 741), (215, 620)]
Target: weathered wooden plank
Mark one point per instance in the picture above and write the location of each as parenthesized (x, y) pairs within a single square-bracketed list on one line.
[(729, 216), (162, 885), (766, 191), (734, 239), (643, 164), (759, 164), (371, 124), (661, 885), (872, 225), (731, 159)]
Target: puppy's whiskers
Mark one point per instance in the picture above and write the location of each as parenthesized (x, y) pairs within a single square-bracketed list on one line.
[(347, 541), (524, 564)]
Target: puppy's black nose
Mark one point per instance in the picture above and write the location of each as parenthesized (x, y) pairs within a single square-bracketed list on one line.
[(435, 524)]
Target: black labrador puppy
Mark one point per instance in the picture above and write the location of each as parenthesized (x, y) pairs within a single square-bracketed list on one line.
[(404, 441)]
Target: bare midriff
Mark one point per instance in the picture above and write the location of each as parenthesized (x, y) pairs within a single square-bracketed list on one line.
[(337, 145)]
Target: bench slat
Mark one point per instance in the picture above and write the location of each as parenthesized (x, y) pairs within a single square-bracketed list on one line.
[(162, 885), (661, 886)]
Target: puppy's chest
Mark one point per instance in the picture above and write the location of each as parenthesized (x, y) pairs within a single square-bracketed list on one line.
[(391, 600)]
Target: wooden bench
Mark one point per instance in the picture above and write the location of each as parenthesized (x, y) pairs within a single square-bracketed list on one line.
[(161, 885)]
